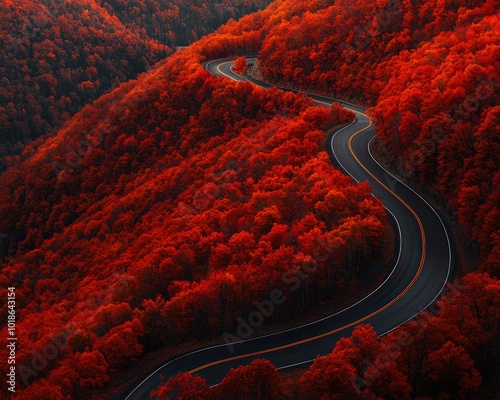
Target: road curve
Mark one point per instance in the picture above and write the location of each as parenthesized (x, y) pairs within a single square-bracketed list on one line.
[(419, 276)]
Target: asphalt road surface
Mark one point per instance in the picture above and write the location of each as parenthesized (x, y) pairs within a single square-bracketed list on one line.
[(421, 271)]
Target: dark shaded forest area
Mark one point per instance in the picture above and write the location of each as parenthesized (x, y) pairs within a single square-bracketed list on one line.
[(55, 56)]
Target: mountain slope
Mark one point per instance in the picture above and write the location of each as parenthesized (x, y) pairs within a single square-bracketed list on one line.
[(57, 56), (178, 193), (430, 71), (163, 210)]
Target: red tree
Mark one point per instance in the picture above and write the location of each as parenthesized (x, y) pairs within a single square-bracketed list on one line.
[(260, 380), (184, 386)]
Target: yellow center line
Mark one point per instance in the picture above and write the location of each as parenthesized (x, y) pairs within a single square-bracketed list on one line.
[(420, 267)]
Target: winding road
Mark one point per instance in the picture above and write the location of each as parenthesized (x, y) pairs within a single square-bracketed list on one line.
[(420, 273)]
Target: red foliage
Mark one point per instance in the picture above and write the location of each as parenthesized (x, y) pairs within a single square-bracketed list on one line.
[(430, 69), (240, 65), (453, 368), (184, 386), (163, 210), (438, 355), (60, 55), (197, 192), (358, 367), (451, 138), (259, 380)]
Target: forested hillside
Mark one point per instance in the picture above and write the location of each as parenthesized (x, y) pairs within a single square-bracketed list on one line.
[(57, 56), (431, 72), (162, 210), (449, 355), (179, 22)]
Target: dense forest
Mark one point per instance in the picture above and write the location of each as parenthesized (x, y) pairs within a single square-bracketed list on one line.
[(441, 356), (431, 72), (178, 23), (160, 211), (163, 210), (57, 56)]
